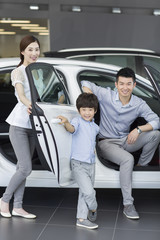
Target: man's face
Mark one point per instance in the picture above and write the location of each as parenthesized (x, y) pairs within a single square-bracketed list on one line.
[(125, 86)]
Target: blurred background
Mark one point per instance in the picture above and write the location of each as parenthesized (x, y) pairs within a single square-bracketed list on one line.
[(61, 24)]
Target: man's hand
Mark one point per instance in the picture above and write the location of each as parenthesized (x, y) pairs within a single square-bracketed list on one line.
[(132, 136), (87, 90)]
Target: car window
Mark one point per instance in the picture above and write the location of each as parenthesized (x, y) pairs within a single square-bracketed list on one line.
[(117, 59), (155, 76), (62, 77), (122, 61), (152, 61), (141, 90), (49, 85), (5, 82), (134, 61), (7, 98), (149, 96), (100, 79)]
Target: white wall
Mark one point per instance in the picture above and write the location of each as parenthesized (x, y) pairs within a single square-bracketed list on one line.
[(9, 45)]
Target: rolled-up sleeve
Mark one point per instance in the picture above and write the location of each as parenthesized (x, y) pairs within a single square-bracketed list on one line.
[(151, 117), (75, 123), (86, 84), (99, 91), (94, 88)]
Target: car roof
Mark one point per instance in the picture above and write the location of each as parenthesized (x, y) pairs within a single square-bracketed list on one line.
[(107, 49), (7, 62), (84, 51)]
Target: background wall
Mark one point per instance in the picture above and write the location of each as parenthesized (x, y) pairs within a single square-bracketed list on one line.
[(9, 45), (105, 30), (136, 27), (95, 25), (19, 9)]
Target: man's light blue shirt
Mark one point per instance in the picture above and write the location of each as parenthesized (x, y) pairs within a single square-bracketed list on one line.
[(84, 140), (116, 119)]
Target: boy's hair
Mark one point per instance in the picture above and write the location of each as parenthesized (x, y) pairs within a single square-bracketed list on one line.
[(126, 72), (88, 100)]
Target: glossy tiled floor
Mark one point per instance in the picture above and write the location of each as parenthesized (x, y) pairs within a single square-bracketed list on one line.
[(56, 211)]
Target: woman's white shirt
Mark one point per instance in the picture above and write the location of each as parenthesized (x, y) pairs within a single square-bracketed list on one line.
[(19, 116)]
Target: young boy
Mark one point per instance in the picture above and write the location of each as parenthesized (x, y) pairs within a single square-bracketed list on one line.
[(84, 132)]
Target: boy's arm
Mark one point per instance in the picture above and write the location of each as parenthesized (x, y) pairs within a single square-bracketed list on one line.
[(69, 127)]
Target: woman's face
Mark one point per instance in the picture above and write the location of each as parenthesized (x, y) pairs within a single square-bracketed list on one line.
[(31, 53)]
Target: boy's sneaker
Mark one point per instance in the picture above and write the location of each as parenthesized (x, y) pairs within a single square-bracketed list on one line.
[(92, 216), (130, 212), (86, 224)]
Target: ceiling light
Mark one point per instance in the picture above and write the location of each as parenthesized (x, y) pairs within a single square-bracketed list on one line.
[(156, 12), (32, 27), (43, 33), (76, 9), (15, 21), (7, 33), (38, 30), (34, 7), (116, 10), (24, 25)]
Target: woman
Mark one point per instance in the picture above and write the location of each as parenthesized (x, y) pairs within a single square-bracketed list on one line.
[(20, 131)]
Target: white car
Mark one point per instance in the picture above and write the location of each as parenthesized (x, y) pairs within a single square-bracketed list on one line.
[(55, 94)]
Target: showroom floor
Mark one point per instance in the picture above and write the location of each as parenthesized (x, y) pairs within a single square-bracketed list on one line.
[(56, 212)]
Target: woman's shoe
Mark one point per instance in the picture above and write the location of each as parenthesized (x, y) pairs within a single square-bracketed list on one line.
[(29, 215), (4, 214)]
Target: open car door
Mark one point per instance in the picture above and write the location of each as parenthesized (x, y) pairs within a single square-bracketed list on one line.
[(154, 77), (53, 142)]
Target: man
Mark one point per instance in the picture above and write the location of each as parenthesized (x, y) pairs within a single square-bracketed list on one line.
[(118, 111)]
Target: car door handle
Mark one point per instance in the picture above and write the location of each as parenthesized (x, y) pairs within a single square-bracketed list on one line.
[(38, 132), (55, 120)]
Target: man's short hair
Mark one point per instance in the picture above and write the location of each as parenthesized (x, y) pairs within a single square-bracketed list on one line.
[(126, 72), (88, 100)]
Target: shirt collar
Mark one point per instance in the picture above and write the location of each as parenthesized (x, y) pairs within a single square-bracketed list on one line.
[(130, 102), (87, 121)]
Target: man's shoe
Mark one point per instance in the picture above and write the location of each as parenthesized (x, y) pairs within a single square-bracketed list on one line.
[(92, 216), (86, 224), (130, 212)]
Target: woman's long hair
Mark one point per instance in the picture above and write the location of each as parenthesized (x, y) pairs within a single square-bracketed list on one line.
[(24, 43)]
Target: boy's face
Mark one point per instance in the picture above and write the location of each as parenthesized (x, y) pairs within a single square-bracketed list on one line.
[(87, 113)]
